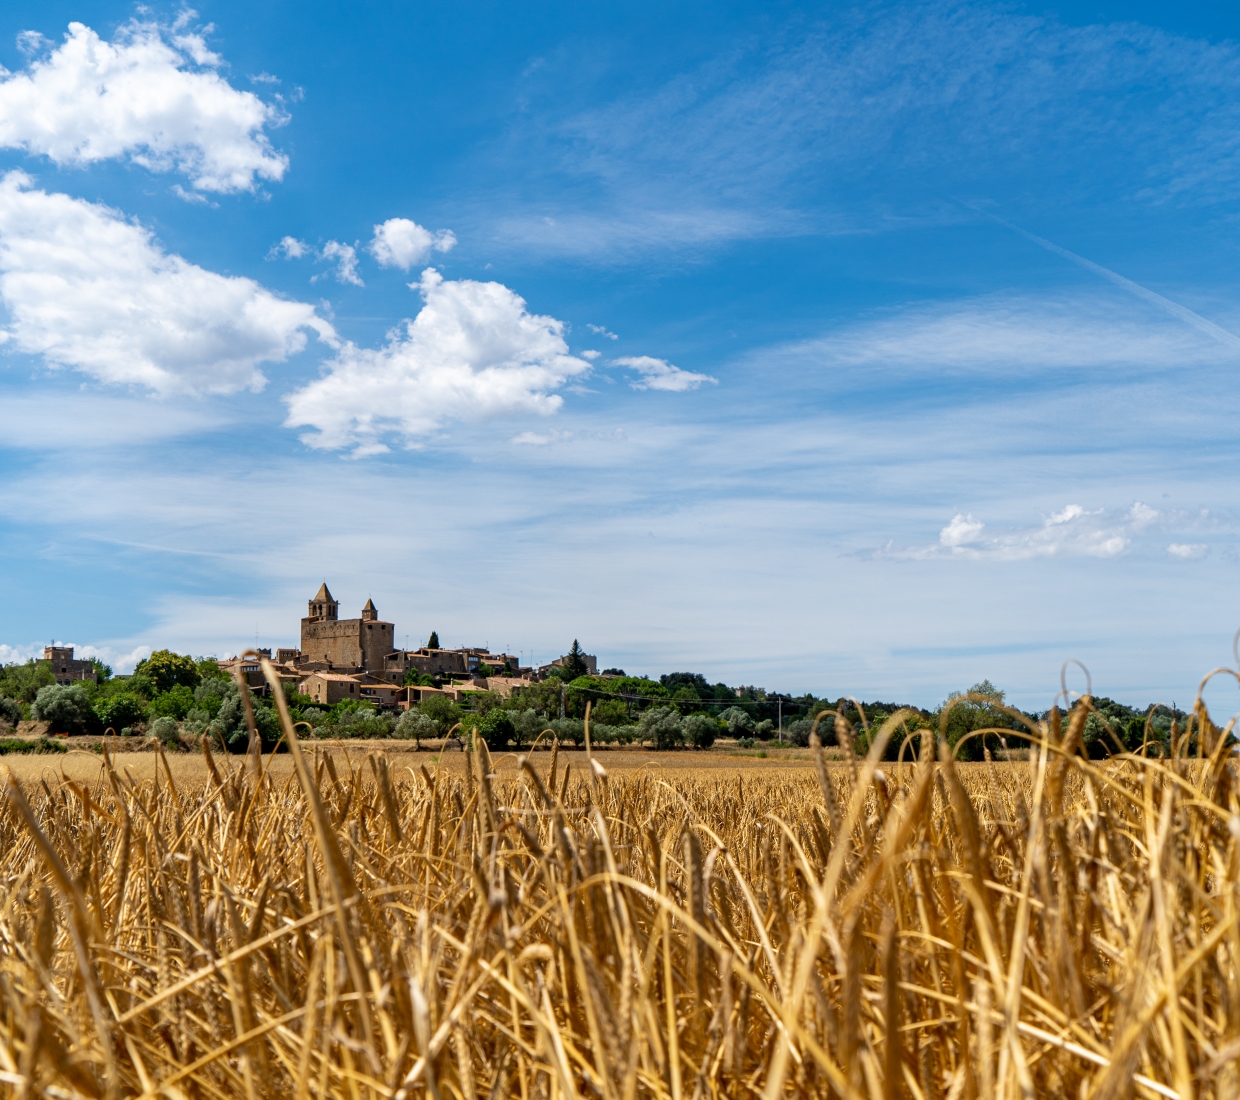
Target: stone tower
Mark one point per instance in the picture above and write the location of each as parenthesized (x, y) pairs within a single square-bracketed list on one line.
[(348, 645), (323, 608)]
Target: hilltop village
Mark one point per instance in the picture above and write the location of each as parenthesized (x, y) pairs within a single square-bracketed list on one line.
[(341, 660)]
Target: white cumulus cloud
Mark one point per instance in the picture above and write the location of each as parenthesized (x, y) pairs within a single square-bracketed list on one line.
[(344, 256), (86, 288), (473, 351), (961, 531), (1186, 551), (149, 95), (399, 242), (658, 374)]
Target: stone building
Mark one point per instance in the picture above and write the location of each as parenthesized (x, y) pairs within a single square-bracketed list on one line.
[(344, 644), (65, 668)]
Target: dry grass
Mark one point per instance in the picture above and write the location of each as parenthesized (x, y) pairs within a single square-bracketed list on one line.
[(334, 927)]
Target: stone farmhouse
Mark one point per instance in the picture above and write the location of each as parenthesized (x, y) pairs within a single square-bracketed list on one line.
[(342, 659), (65, 668)]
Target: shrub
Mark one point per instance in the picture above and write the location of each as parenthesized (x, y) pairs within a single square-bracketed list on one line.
[(166, 729), (66, 709), (211, 694), (360, 722), (744, 742), (10, 711), (120, 710), (39, 744), (764, 729), (700, 730), (662, 727)]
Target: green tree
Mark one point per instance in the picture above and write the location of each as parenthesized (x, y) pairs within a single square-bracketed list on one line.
[(496, 729), (66, 708), (103, 672), (433, 641), (166, 670), (209, 669), (176, 703), (574, 664), (22, 682), (542, 698), (967, 715), (442, 710), (740, 722), (415, 726), (700, 730), (662, 726), (120, 711)]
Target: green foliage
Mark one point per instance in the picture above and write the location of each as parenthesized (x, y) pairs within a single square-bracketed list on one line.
[(744, 742), (167, 669), (209, 669), (496, 729), (543, 698), (610, 712), (574, 663), (969, 714), (120, 710), (740, 722), (175, 703), (38, 744), (433, 641), (10, 711), (166, 729), (662, 727), (485, 671), (442, 710), (103, 672), (357, 721), (481, 703), (413, 725), (209, 695), (22, 682), (66, 708), (764, 730), (700, 730), (526, 726), (797, 731), (569, 729)]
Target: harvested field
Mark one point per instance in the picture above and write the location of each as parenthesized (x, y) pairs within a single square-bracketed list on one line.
[(366, 927)]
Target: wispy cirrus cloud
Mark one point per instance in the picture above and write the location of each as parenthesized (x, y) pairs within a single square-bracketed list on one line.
[(875, 116), (1073, 531)]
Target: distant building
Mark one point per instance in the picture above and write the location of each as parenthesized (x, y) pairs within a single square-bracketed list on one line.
[(590, 660), (65, 668), (346, 645)]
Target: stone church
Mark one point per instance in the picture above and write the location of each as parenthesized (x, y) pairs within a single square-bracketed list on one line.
[(346, 645)]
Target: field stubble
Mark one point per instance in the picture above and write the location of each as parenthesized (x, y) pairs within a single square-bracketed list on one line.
[(315, 925)]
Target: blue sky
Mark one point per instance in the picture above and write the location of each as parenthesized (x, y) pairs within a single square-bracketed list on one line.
[(868, 351)]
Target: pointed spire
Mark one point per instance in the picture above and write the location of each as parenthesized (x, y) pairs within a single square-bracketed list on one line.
[(322, 595)]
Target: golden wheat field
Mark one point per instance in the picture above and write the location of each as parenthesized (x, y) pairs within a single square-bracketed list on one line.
[(343, 927)]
